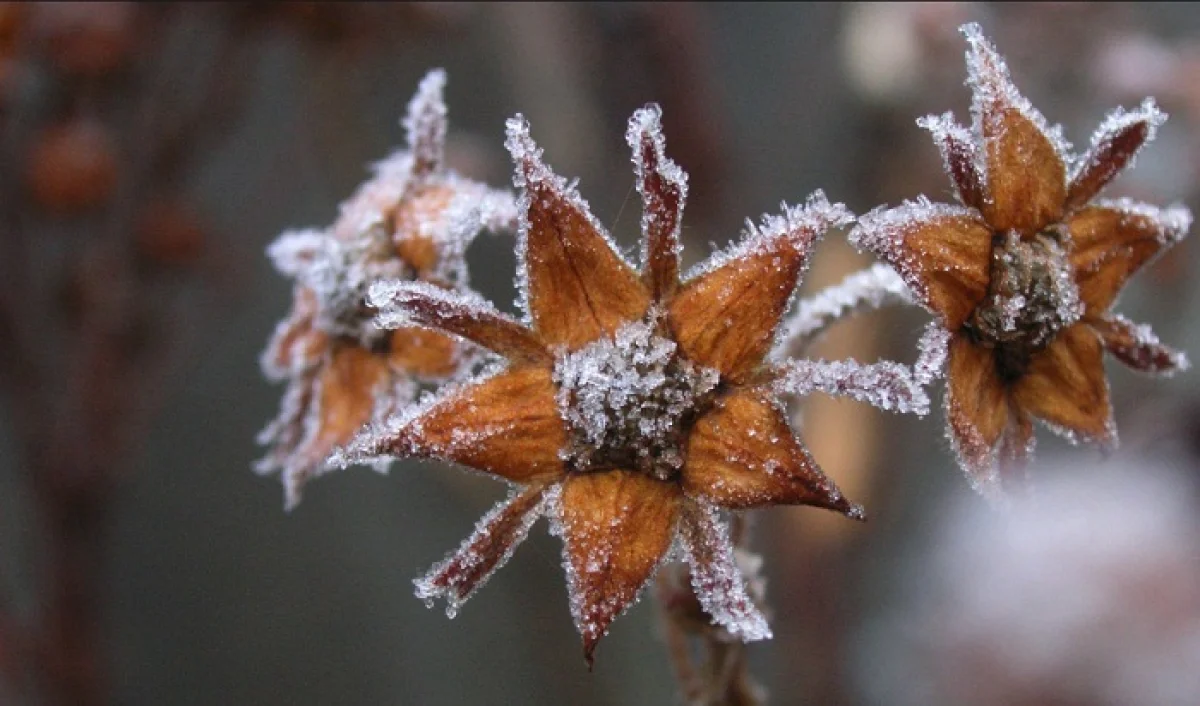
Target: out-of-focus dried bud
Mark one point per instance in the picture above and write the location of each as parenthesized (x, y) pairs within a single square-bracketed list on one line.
[(87, 39), (169, 233), (73, 167), (410, 225)]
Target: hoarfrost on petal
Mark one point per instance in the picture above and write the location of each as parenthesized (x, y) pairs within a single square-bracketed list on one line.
[(960, 158), (1106, 154), (716, 578), (868, 289), (990, 83), (933, 349), (1173, 222), (497, 535), (886, 385), (663, 187), (803, 225), (425, 123), (294, 251), (531, 173)]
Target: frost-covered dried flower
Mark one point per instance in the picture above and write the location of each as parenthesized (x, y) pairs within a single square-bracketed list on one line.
[(413, 220), (632, 407), (1024, 272)]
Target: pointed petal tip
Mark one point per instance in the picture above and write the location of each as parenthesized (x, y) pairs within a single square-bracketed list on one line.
[(645, 120)]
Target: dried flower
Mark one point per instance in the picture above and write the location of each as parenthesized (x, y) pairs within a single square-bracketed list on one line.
[(412, 221), (632, 407), (1025, 271)]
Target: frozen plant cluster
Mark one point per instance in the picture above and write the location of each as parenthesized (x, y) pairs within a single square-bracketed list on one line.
[(639, 409)]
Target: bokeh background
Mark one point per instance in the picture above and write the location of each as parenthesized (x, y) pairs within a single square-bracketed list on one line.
[(150, 153)]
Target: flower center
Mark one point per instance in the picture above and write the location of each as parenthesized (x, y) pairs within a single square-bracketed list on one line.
[(628, 402), (1031, 297)]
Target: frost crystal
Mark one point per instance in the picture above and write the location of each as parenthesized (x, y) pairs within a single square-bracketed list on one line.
[(934, 348), (716, 578), (629, 395), (889, 386), (872, 288), (805, 224)]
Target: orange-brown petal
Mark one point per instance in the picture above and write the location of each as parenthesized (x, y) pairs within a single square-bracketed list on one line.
[(1136, 345), (1113, 239), (743, 454), (495, 538), (942, 252), (726, 317), (1065, 387), (578, 287), (507, 425), (976, 409), (423, 352), (343, 399), (1024, 171), (616, 527)]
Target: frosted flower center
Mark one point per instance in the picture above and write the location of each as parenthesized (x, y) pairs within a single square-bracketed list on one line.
[(1032, 296), (628, 402)]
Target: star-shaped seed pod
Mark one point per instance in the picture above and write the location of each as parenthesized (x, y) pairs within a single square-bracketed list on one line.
[(413, 220), (630, 407), (1024, 272)]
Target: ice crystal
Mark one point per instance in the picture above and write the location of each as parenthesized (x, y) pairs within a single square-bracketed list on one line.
[(719, 583), (871, 288), (887, 385)]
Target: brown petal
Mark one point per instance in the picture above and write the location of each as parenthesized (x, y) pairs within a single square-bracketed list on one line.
[(976, 410), (457, 313), (579, 287), (726, 317), (492, 544), (1136, 345), (507, 425), (1113, 239), (1024, 169), (959, 157), (743, 454), (342, 401), (616, 526), (663, 187), (1114, 145), (1065, 387), (420, 351), (942, 252), (425, 124)]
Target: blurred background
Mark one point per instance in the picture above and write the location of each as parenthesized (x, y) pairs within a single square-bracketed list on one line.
[(150, 153)]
